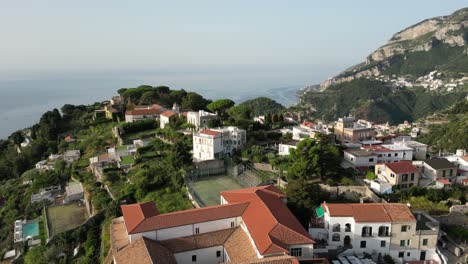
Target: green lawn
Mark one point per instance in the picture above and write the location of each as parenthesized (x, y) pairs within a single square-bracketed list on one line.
[(208, 188), (127, 160), (65, 217)]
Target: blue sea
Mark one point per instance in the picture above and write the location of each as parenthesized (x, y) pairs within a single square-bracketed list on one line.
[(25, 96)]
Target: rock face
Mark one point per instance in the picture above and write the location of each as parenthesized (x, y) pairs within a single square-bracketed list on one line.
[(450, 30)]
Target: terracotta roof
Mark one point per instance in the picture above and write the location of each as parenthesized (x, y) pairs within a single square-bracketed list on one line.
[(185, 217), (377, 148), (135, 214), (168, 113), (103, 157), (465, 158), (402, 167), (143, 111), (371, 212), (209, 132), (238, 247), (439, 164), (205, 240), (270, 223), (144, 251), (307, 124), (444, 181)]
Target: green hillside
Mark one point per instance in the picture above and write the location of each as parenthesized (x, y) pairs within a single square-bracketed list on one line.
[(376, 101)]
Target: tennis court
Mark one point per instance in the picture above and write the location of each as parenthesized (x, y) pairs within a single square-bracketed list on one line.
[(208, 188)]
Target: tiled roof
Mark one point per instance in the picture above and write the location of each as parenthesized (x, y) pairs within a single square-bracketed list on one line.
[(186, 217), (402, 167), (439, 164), (205, 240), (135, 214), (143, 111), (444, 181), (168, 113), (270, 223), (144, 251), (465, 158), (371, 212), (377, 148), (209, 132)]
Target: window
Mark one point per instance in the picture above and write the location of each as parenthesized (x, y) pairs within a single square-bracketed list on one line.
[(383, 243), (218, 253), (366, 231), (451, 173), (408, 254), (412, 176), (404, 228), (232, 224), (425, 242), (336, 228), (194, 258), (396, 154), (197, 230), (380, 155), (371, 160), (347, 228), (296, 252), (389, 155), (363, 244), (401, 254), (408, 242), (336, 237), (443, 174), (402, 243), (383, 230), (404, 177)]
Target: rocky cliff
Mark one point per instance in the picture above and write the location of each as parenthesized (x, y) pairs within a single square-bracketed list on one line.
[(450, 32)]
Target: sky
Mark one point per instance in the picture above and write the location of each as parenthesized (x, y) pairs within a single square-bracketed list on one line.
[(51, 35)]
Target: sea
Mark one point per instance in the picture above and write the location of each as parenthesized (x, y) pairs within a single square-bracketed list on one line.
[(25, 96)]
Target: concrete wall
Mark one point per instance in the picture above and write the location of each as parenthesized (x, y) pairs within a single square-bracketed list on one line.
[(204, 255), (189, 230)]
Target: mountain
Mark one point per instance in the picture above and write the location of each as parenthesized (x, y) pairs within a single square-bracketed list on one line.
[(422, 69)]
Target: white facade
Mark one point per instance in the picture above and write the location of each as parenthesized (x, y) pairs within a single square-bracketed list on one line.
[(200, 118), (360, 158), (189, 230), (283, 149), (344, 232), (419, 149), (216, 143), (203, 255)]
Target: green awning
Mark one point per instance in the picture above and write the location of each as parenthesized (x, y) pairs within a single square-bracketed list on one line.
[(319, 211)]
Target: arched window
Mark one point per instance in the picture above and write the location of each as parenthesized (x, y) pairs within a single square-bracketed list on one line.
[(366, 231), (383, 231), (336, 228), (347, 227), (336, 237)]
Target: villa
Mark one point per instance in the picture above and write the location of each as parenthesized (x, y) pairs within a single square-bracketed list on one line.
[(251, 225)]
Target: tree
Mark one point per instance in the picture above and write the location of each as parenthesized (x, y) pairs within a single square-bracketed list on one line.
[(239, 112), (303, 198), (17, 138), (314, 157), (35, 256), (148, 97), (194, 102), (371, 176), (220, 107), (121, 91)]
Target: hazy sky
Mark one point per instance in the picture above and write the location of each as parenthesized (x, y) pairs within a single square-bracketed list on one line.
[(58, 34)]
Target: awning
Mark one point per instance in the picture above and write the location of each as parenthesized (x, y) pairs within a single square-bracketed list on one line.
[(319, 211)]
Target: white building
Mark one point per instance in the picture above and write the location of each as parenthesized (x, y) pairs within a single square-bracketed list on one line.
[(283, 148), (419, 149), (71, 155), (360, 158), (308, 130), (165, 118), (390, 152), (121, 151), (209, 144), (251, 225), (142, 113), (200, 119), (376, 229), (460, 159)]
